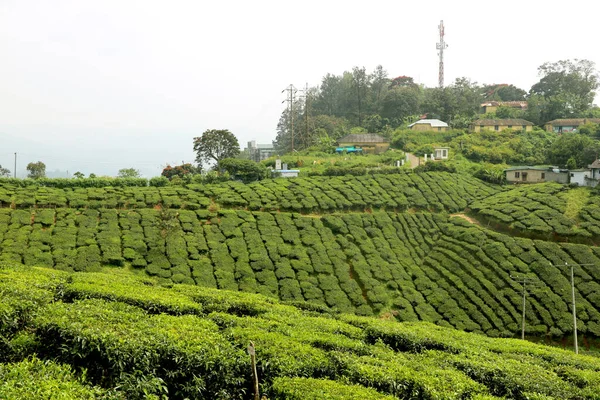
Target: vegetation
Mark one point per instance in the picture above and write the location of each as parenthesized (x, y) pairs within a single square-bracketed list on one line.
[(215, 145), (134, 339), (36, 170)]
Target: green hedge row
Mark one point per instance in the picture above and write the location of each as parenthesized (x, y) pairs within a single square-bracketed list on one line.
[(130, 349), (429, 190), (415, 266)]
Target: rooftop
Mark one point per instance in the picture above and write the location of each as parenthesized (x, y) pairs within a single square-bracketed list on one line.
[(363, 138), (514, 104), (573, 121), (435, 123), (507, 122), (595, 164)]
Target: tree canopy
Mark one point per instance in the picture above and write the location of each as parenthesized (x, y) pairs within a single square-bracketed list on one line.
[(4, 172), (128, 173), (215, 145), (36, 170)]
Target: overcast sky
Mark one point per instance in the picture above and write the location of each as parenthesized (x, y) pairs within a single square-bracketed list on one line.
[(96, 86)]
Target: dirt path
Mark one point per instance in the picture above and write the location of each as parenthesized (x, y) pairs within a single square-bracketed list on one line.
[(466, 218)]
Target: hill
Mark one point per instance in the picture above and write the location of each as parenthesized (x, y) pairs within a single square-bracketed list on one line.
[(412, 265), (136, 339)]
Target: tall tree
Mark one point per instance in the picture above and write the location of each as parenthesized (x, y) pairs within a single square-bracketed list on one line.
[(4, 172), (128, 173), (215, 145), (575, 149), (567, 87), (503, 92), (360, 85), (36, 170)]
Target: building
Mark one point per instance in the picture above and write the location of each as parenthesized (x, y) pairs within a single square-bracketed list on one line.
[(579, 177), (527, 174), (441, 153), (259, 152), (492, 106), (594, 177), (568, 125), (369, 142), (501, 124), (429, 125)]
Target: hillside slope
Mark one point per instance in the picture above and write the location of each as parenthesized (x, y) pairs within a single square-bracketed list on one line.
[(137, 339), (418, 266)]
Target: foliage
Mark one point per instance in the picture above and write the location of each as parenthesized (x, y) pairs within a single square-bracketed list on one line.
[(180, 171), (199, 352), (4, 172), (566, 88), (215, 145), (36, 170), (581, 149), (244, 170), (128, 173)]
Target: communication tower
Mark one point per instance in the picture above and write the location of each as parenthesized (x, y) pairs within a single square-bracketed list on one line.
[(441, 46)]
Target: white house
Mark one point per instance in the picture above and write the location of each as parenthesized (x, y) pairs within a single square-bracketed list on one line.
[(429, 125), (579, 176), (594, 177), (441, 153)]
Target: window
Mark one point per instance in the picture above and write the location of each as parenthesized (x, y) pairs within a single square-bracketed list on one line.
[(524, 127), (510, 127), (543, 175), (439, 128), (444, 153), (517, 174), (572, 175), (524, 176), (496, 128), (480, 127)]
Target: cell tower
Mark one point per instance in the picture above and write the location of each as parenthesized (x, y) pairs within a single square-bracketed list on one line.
[(441, 46)]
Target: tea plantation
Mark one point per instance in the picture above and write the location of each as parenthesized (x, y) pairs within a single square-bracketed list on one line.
[(191, 274), (548, 210), (112, 335)]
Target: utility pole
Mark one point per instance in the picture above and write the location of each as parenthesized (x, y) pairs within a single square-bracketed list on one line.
[(573, 300), (291, 96), (523, 280), (15, 173), (441, 46)]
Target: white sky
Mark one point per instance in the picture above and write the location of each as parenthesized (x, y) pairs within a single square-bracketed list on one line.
[(101, 85)]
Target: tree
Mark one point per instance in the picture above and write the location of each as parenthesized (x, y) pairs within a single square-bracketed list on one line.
[(244, 170), (78, 175), (180, 171), (215, 145), (503, 92), (128, 173), (580, 148), (567, 87), (36, 170), (4, 172)]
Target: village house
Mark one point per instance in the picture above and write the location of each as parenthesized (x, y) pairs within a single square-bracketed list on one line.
[(568, 125), (527, 174), (492, 106), (258, 152), (501, 124), (429, 125), (369, 142), (594, 176), (579, 177)]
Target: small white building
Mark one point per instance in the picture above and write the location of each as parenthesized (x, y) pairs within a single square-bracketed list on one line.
[(287, 173), (579, 176), (441, 153), (429, 125)]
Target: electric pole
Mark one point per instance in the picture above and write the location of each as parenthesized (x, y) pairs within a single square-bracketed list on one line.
[(441, 46), (523, 280), (15, 173), (291, 96), (573, 300)]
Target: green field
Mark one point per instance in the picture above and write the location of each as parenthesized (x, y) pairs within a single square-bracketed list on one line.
[(149, 289), (136, 339)]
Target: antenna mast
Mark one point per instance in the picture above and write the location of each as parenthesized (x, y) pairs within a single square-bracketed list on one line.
[(441, 46)]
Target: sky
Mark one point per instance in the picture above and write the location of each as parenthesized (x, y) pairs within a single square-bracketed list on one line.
[(96, 86)]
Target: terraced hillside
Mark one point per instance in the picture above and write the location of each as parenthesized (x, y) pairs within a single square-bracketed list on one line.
[(418, 266), (547, 210), (399, 191), (136, 339)]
